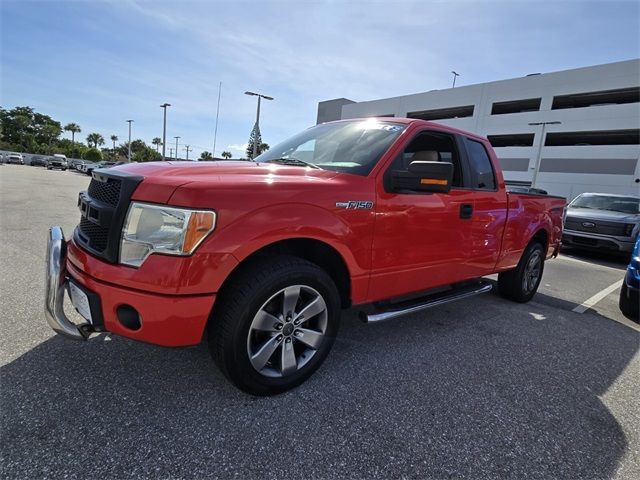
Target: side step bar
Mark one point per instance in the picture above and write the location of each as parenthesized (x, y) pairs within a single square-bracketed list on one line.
[(405, 308)]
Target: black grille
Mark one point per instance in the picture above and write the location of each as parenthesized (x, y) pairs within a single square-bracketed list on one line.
[(599, 226), (96, 235), (106, 192)]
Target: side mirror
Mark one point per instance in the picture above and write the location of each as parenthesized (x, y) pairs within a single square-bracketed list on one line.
[(435, 177)]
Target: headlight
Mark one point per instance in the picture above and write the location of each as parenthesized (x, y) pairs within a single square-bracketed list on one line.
[(159, 229)]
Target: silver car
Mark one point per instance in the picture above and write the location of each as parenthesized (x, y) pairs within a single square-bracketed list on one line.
[(602, 221)]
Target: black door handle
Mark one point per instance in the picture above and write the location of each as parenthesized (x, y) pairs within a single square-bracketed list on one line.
[(466, 210)]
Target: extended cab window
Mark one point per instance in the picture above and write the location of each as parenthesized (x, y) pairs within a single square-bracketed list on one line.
[(349, 146), (482, 176), (429, 146)]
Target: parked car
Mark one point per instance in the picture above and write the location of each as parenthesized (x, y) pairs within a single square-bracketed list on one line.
[(82, 167), (57, 161), (74, 163), (102, 164), (629, 298), (393, 215), (602, 221), (38, 161), (15, 158)]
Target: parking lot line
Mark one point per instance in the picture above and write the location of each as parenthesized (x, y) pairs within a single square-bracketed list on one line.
[(590, 302)]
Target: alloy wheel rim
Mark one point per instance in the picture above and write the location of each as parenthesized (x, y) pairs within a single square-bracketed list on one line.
[(532, 273), (287, 331)]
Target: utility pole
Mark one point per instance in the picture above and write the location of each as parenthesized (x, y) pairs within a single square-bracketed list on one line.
[(256, 128), (215, 133), (164, 129), (455, 75), (188, 150), (176, 147), (129, 155), (536, 165), (170, 152)]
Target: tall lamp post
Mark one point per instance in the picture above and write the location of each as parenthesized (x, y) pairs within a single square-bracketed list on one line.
[(177, 138), (257, 125), (129, 155), (455, 75), (536, 165), (164, 129)]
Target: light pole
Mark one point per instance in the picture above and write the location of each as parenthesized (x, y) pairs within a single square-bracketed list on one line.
[(129, 155), (188, 149), (164, 129), (455, 75), (256, 128), (536, 165), (171, 153), (177, 138)]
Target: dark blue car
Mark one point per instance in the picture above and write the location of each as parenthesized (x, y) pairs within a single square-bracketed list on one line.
[(629, 301)]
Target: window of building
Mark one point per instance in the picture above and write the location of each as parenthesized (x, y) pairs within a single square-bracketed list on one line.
[(443, 113), (482, 176), (516, 106), (592, 99), (512, 140), (596, 137)]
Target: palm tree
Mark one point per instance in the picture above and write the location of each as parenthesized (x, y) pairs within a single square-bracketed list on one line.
[(206, 156), (114, 139), (157, 142), (73, 128), (226, 155), (95, 139)]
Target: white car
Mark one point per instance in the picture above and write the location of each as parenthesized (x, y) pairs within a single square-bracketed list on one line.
[(15, 158)]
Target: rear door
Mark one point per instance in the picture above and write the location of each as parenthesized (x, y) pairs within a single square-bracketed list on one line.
[(489, 214)]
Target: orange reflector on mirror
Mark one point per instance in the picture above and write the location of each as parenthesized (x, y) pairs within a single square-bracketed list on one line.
[(432, 181)]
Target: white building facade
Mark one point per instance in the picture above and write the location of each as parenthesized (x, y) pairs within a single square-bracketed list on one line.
[(595, 147)]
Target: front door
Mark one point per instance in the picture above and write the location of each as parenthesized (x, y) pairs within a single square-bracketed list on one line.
[(420, 238)]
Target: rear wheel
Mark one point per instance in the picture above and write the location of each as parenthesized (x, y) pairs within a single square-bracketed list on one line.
[(521, 283), (274, 324), (629, 303)]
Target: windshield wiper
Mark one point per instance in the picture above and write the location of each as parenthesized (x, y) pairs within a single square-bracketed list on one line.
[(293, 161)]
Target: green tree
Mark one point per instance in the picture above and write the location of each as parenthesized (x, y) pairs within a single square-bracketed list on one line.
[(145, 154), (254, 138), (114, 139), (206, 156), (95, 139), (51, 131), (93, 155), (226, 155), (73, 128), (157, 141)]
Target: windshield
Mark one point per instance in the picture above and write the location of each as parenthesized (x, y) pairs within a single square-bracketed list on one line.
[(350, 147), (629, 205)]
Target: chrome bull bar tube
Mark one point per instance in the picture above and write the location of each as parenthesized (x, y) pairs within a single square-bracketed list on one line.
[(55, 284)]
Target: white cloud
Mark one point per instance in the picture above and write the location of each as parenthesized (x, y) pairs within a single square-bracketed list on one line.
[(238, 148)]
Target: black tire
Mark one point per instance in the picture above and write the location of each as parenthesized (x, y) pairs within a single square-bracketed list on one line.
[(628, 304), (48, 168), (257, 288), (518, 284)]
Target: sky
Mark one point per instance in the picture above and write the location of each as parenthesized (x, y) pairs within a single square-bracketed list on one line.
[(99, 63)]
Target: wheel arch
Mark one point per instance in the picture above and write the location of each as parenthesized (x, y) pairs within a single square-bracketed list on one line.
[(315, 251)]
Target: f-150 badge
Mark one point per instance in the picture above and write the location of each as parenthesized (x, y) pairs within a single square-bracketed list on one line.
[(355, 205)]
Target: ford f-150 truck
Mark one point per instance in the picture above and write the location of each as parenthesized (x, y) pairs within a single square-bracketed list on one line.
[(392, 215)]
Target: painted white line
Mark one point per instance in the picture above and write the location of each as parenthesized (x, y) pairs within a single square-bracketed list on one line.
[(590, 302)]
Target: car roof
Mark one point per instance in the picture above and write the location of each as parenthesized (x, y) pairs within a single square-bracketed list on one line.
[(415, 121), (620, 195)]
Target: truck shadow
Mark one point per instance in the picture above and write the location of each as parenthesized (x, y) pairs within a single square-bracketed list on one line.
[(482, 388)]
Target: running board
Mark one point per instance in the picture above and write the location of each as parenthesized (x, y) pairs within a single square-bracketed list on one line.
[(399, 310)]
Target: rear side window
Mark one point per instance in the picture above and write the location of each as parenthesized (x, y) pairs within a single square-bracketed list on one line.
[(482, 176)]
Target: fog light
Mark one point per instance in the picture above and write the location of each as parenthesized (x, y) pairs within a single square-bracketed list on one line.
[(129, 317)]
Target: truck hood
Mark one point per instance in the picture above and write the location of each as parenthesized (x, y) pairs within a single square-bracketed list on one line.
[(161, 179), (603, 215)]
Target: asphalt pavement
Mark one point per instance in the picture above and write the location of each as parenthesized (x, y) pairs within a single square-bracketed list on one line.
[(482, 388)]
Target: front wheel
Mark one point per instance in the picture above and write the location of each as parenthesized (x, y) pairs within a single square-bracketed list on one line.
[(274, 324), (521, 283)]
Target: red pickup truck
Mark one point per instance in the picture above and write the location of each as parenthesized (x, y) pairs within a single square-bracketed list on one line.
[(393, 215)]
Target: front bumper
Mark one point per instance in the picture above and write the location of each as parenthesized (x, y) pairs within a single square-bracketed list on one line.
[(168, 320), (55, 286), (572, 238)]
